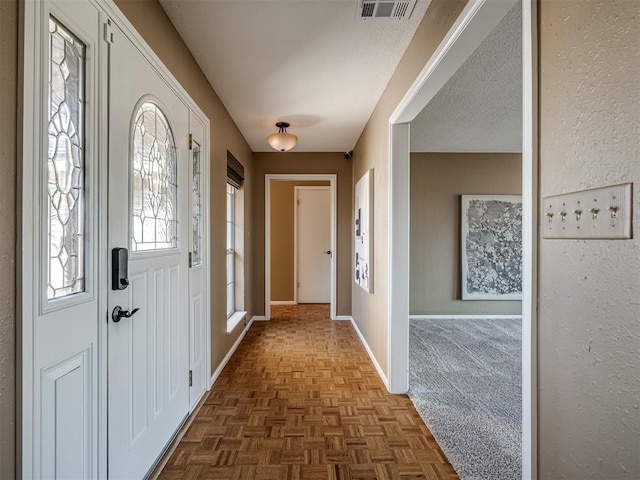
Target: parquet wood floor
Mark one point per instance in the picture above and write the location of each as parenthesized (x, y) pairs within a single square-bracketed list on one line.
[(300, 399)]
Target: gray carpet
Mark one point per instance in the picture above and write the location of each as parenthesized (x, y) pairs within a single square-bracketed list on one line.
[(465, 381)]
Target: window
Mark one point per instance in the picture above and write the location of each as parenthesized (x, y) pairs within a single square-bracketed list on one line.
[(235, 243), (65, 163), (196, 209), (154, 181), (231, 252)]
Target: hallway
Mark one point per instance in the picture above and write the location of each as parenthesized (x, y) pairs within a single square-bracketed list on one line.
[(300, 399)]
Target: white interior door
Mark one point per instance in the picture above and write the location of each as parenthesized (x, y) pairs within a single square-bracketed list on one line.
[(149, 185), (313, 244)]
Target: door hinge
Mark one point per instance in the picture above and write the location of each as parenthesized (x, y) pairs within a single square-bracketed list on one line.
[(108, 32), (190, 141), (191, 378), (190, 259)]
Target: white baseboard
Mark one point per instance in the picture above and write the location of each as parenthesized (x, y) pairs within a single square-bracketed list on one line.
[(229, 354), (383, 377), (259, 318), (246, 329), (284, 302), (348, 318), (462, 317)]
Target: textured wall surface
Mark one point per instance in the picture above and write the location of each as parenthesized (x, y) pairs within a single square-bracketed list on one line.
[(8, 107), (437, 181), (292, 162), (370, 310), (488, 89), (148, 17), (589, 310), (283, 238)]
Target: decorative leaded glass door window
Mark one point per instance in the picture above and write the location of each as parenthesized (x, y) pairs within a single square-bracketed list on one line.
[(154, 181), (196, 209), (65, 163)]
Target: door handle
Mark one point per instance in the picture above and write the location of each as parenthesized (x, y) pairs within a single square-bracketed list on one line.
[(328, 252), (118, 313)]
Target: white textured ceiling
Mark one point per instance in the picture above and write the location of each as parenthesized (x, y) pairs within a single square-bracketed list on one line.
[(480, 108), (308, 62)]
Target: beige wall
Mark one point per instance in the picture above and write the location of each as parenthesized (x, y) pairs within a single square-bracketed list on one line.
[(589, 291), (8, 107), (283, 238), (437, 182), (372, 151), (150, 20), (291, 162)]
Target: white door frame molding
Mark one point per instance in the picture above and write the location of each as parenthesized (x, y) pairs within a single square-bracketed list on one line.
[(476, 21), (332, 179), (31, 142)]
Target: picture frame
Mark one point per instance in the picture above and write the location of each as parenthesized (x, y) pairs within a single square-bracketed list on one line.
[(491, 234), (363, 268)]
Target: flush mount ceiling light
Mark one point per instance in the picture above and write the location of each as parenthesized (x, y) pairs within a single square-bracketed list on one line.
[(282, 141)]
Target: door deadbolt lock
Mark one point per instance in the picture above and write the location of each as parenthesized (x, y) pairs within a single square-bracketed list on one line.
[(119, 268)]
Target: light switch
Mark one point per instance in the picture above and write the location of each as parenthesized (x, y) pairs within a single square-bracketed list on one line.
[(603, 213)]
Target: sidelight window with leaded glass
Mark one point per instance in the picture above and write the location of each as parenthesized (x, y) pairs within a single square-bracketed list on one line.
[(196, 208), (154, 181), (65, 163)]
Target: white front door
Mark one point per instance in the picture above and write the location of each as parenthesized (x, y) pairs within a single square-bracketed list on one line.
[(313, 244), (149, 186)]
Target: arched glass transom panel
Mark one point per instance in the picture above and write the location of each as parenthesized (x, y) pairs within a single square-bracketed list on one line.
[(154, 182)]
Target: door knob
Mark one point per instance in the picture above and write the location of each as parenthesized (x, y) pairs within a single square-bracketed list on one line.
[(118, 313), (328, 252)]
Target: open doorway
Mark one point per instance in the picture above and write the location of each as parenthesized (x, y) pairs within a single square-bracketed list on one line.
[(465, 331), (476, 22), (300, 240)]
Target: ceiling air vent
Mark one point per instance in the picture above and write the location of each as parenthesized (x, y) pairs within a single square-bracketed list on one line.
[(400, 9)]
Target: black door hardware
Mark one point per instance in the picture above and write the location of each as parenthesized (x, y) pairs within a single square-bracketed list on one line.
[(119, 268), (118, 313)]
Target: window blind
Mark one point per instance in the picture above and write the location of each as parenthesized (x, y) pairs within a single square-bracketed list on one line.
[(235, 171)]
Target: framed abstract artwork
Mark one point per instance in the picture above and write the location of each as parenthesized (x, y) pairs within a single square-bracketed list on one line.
[(491, 247), (362, 224)]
